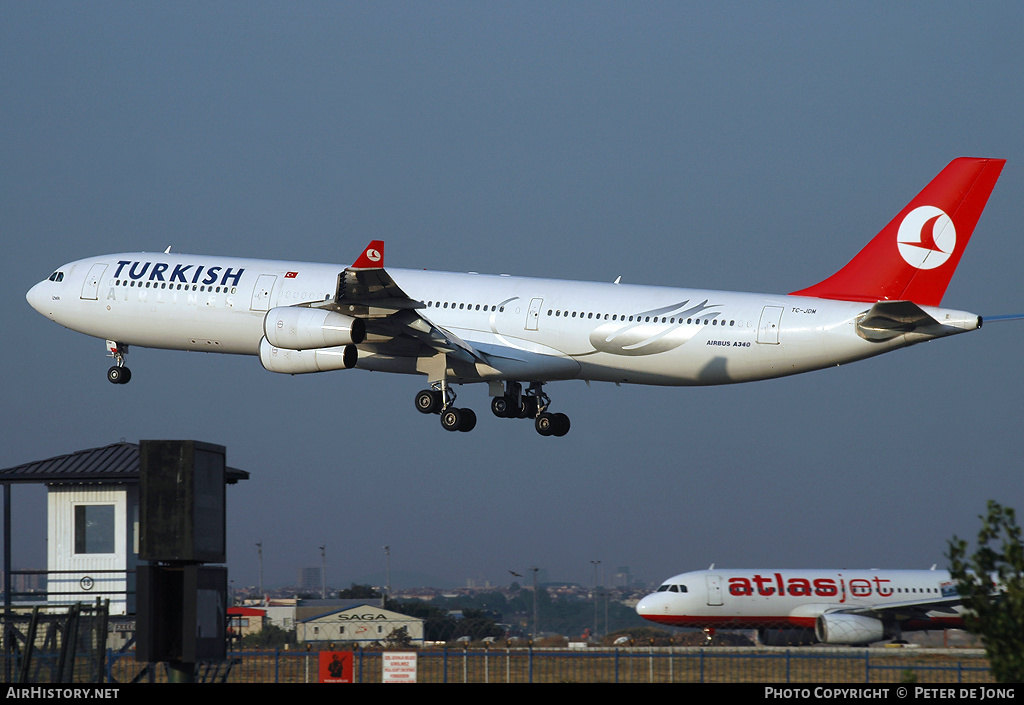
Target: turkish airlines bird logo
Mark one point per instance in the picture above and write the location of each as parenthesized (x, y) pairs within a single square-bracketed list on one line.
[(926, 238), (373, 255)]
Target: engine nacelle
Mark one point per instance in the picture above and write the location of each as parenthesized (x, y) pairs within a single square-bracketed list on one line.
[(297, 362), (839, 628), (303, 328)]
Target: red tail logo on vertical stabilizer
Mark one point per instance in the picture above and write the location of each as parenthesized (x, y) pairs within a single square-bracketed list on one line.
[(913, 258), (927, 237), (372, 257)]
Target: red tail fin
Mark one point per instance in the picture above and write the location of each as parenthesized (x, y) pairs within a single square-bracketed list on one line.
[(372, 257), (914, 256)]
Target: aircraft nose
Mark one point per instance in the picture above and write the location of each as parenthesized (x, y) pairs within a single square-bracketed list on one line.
[(35, 297), (40, 298), (647, 604)]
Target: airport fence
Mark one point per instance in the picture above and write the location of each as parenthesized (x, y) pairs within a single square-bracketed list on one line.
[(618, 665)]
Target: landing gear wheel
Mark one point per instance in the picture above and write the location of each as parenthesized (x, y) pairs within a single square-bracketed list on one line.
[(451, 419), (500, 406), (119, 375), (552, 424), (468, 422), (428, 401)]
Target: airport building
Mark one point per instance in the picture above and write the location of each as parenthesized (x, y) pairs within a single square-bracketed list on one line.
[(92, 526), (358, 625)]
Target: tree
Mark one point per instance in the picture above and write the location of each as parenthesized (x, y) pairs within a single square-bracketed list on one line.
[(398, 639), (358, 592), (991, 582), (268, 637)]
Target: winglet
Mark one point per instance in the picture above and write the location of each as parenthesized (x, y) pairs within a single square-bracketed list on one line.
[(372, 257)]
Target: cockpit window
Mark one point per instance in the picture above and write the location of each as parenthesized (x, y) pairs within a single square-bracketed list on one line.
[(57, 276), (672, 588)]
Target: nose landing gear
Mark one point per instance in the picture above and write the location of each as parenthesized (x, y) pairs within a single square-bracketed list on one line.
[(119, 373)]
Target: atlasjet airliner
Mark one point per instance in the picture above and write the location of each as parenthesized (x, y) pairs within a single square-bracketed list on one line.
[(515, 333), (790, 607)]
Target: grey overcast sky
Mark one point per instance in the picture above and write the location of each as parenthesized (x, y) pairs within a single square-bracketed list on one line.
[(742, 146)]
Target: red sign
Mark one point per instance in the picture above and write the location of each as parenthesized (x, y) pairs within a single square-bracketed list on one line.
[(335, 667)]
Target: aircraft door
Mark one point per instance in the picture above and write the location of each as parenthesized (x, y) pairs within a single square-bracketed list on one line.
[(768, 328), (261, 294), (533, 315), (91, 287), (714, 583)]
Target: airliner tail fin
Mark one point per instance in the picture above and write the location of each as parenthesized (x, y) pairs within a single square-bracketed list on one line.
[(913, 258)]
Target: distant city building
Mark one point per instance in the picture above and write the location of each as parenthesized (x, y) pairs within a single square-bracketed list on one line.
[(26, 584), (622, 577), (309, 579)]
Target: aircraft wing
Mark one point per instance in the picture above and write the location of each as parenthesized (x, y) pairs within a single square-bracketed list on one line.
[(911, 609), (394, 323)]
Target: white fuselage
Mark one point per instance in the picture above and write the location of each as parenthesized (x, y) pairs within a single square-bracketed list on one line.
[(537, 329), (795, 598)]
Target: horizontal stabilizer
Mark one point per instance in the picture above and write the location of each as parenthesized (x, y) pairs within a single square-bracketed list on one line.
[(889, 319)]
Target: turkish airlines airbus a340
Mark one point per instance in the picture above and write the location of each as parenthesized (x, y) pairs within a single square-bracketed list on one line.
[(809, 606), (518, 333)]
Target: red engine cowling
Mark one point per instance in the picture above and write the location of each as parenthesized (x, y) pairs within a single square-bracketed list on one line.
[(839, 628), (297, 362), (303, 328)]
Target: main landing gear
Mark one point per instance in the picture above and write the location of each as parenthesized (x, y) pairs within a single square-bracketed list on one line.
[(513, 404), (118, 374), (531, 404), (439, 401)]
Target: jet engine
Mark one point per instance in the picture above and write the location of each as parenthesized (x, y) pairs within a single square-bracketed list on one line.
[(303, 328), (853, 629), (297, 362)]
